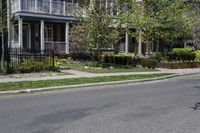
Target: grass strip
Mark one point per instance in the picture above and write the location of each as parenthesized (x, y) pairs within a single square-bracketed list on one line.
[(81, 67), (73, 81)]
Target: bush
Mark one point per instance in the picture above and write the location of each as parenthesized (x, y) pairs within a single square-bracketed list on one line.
[(161, 57), (182, 54), (149, 63), (32, 65), (95, 64), (197, 55), (120, 59)]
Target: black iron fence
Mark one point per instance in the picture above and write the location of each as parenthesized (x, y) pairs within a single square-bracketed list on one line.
[(21, 61)]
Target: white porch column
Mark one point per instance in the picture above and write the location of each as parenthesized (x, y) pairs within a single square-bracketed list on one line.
[(20, 33), (42, 35), (64, 9), (72, 6), (19, 5), (36, 5), (126, 43), (50, 9), (140, 43), (67, 38)]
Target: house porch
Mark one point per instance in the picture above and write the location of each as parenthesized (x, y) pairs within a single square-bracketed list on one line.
[(40, 36)]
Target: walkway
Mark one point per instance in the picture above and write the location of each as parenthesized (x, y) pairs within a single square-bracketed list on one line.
[(79, 74)]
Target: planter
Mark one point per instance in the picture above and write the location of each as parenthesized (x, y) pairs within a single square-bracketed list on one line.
[(179, 65)]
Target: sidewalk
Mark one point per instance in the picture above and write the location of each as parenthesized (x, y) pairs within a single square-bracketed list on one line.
[(79, 74), (181, 71)]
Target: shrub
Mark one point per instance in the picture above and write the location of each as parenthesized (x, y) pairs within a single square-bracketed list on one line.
[(197, 55), (160, 57), (95, 64), (121, 59), (32, 65), (149, 63), (182, 54)]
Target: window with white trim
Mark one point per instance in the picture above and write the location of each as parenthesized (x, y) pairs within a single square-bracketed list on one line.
[(48, 35)]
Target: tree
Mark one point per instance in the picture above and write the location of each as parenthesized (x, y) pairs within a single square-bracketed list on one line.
[(3, 29), (77, 38), (98, 19), (166, 20)]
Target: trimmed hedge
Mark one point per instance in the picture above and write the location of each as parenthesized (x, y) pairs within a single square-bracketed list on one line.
[(197, 55), (121, 59), (149, 63), (182, 54)]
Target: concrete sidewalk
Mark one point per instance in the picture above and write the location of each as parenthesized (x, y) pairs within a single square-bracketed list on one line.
[(79, 74), (181, 71)]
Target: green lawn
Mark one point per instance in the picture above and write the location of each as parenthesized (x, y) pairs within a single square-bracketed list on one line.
[(81, 67), (74, 81)]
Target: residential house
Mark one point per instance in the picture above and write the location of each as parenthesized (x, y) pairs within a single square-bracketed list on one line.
[(44, 25), (41, 25)]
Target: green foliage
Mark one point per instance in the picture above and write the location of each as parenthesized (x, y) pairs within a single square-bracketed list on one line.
[(182, 54), (121, 59), (197, 55), (102, 31), (31, 65), (177, 55), (149, 63), (181, 50), (161, 57), (95, 64), (166, 20)]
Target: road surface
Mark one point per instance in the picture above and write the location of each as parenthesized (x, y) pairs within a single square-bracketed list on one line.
[(168, 106)]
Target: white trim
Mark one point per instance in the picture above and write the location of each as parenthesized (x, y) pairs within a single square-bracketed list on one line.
[(36, 5), (126, 43), (50, 8), (20, 34), (19, 5), (140, 43), (42, 35), (64, 8), (67, 37), (46, 32)]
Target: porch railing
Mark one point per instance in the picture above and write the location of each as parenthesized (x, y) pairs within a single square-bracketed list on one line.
[(57, 47), (45, 7)]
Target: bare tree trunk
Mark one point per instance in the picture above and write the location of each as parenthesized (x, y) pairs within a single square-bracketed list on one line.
[(157, 46), (2, 54)]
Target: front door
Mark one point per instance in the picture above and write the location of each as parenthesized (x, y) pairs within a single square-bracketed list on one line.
[(26, 37)]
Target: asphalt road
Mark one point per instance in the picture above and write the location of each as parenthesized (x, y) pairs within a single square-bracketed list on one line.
[(169, 106)]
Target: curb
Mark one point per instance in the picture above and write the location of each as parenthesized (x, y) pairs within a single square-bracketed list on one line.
[(86, 85)]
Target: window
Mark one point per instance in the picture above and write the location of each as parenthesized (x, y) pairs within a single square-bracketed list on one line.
[(48, 36)]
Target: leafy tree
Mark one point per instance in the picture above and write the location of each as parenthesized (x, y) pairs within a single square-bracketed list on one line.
[(157, 20), (3, 29), (77, 38), (98, 19)]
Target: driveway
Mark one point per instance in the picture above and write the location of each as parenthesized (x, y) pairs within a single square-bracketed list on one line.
[(168, 106)]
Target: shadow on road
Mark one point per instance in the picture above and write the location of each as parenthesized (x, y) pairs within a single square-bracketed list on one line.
[(197, 87), (196, 106)]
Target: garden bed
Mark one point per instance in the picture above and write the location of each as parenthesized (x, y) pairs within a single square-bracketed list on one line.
[(179, 65)]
